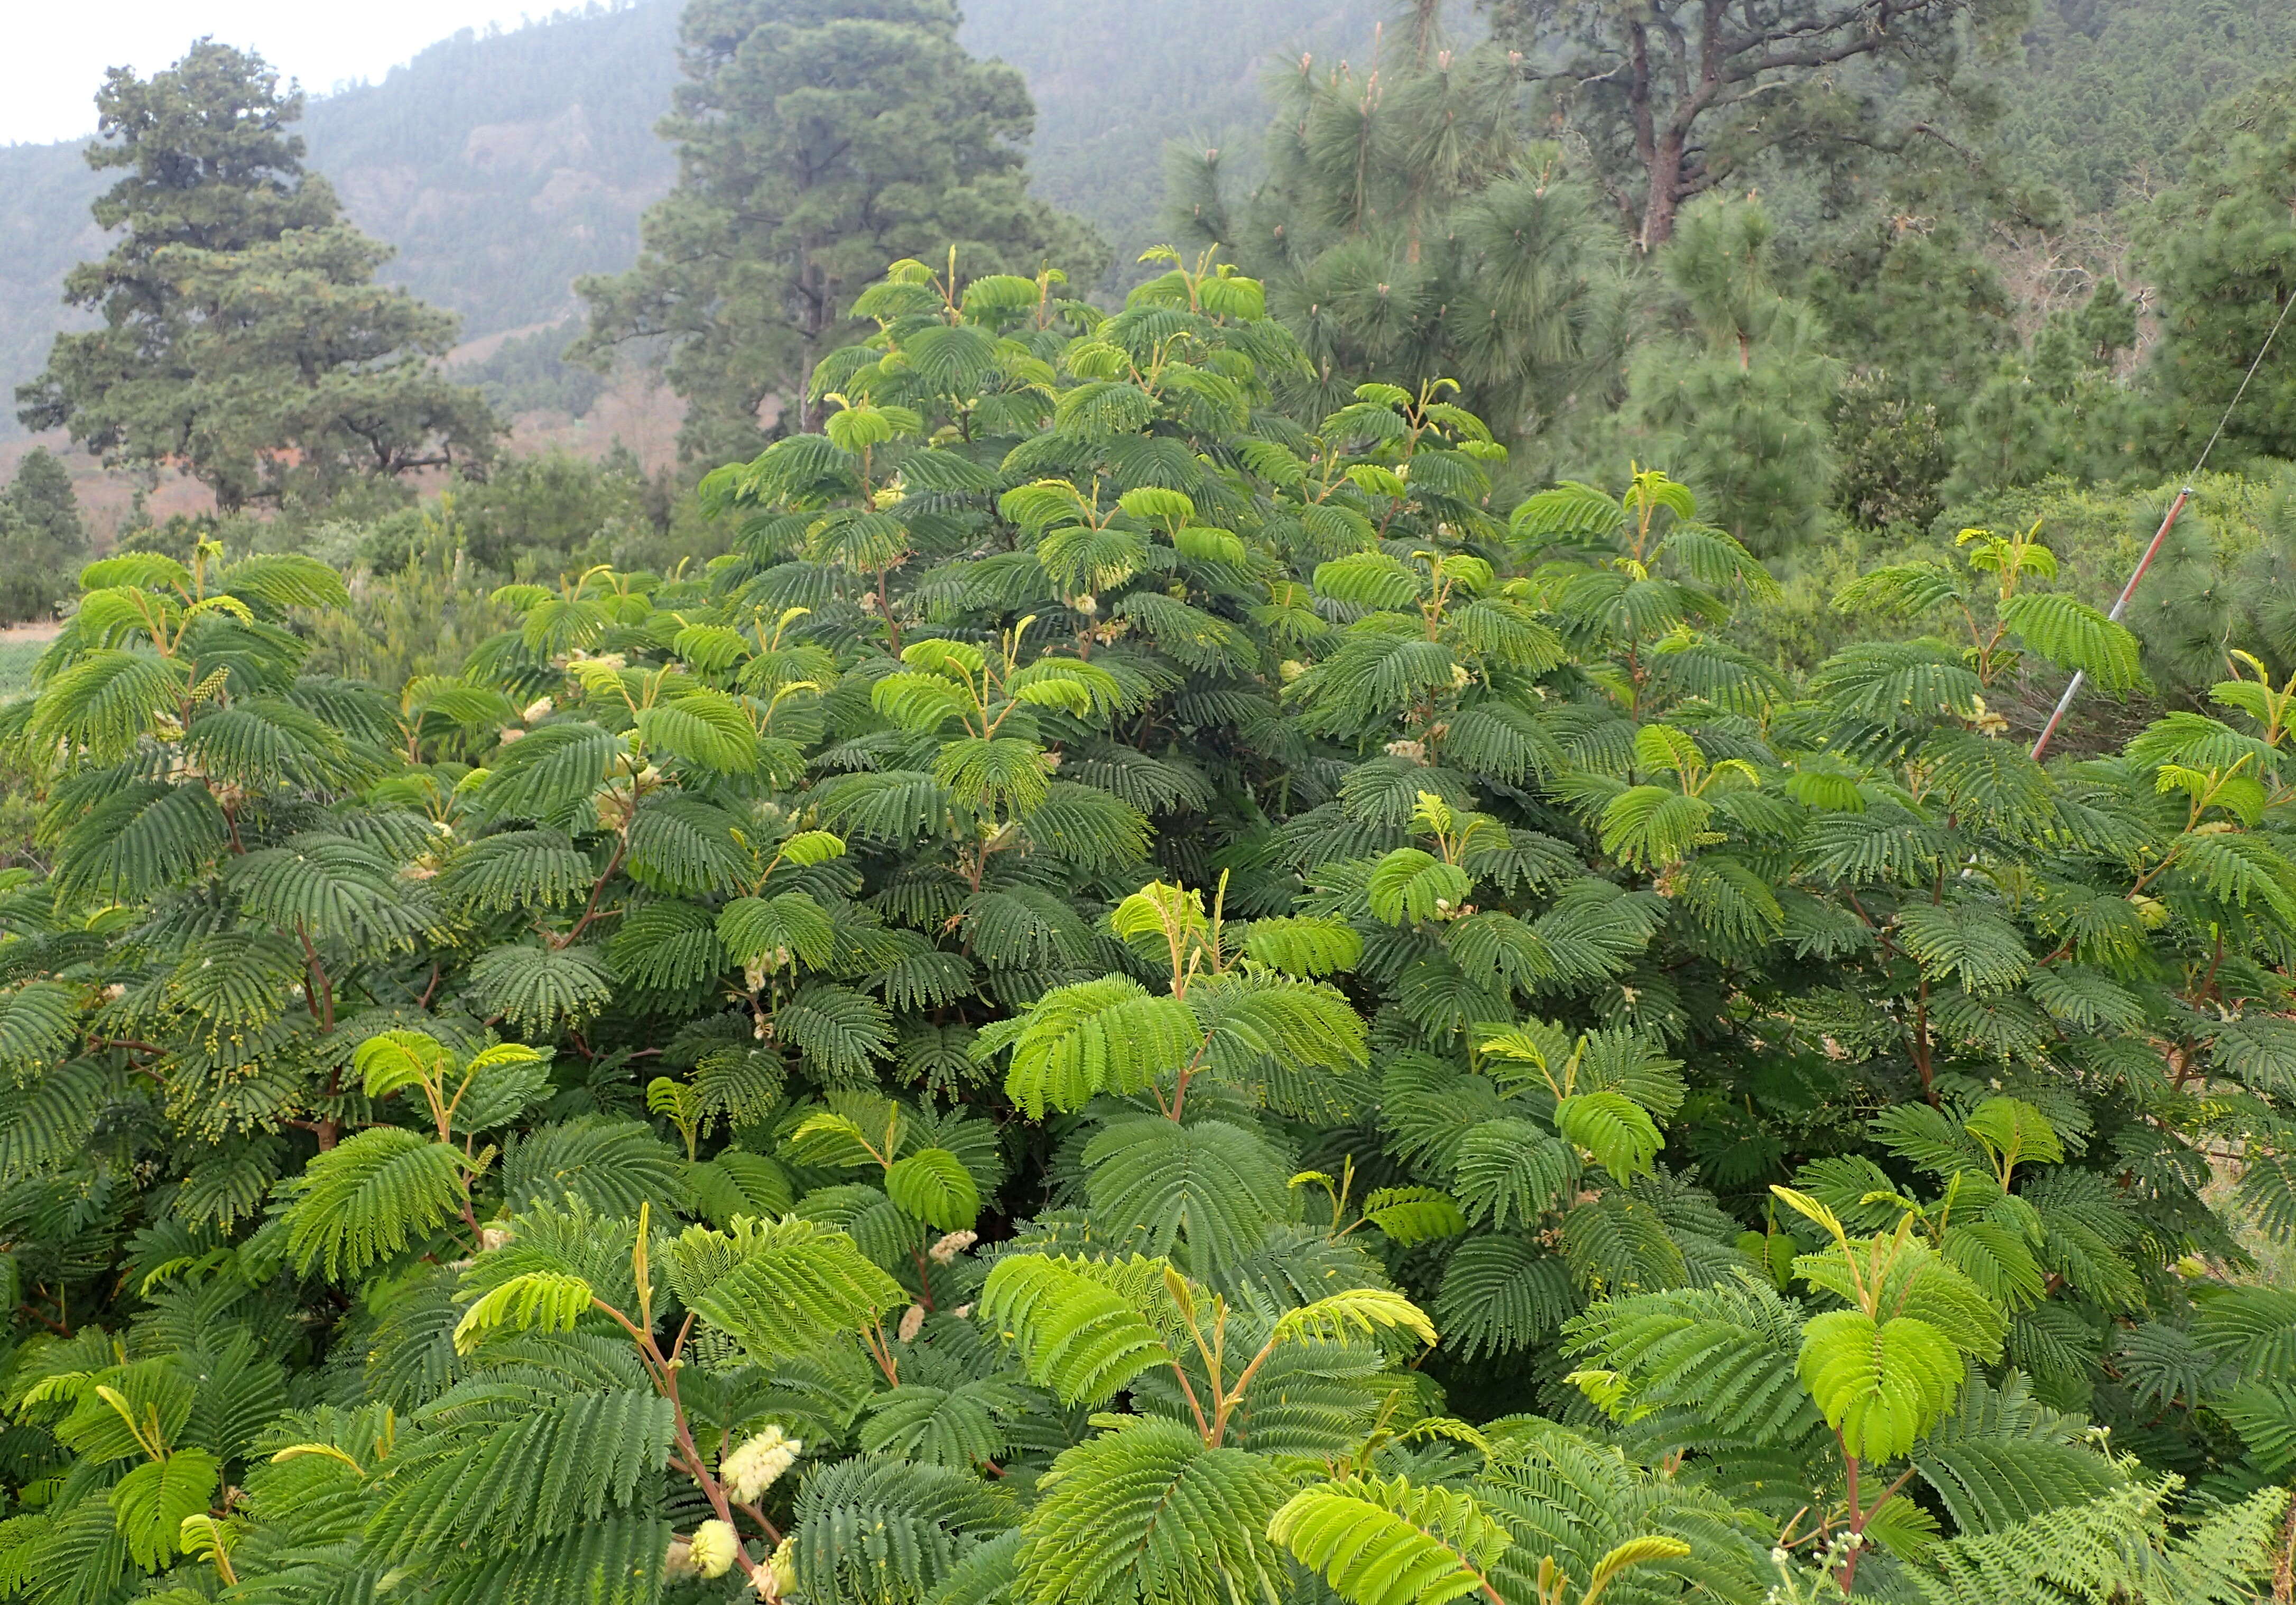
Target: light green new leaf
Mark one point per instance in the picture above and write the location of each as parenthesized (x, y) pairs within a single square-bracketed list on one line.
[(150, 1502), (1387, 1542), (1613, 1128), (1883, 1385), (546, 1301), (933, 1185), (1411, 884)]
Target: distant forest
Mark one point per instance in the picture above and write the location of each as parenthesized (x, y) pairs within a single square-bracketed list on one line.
[(503, 166)]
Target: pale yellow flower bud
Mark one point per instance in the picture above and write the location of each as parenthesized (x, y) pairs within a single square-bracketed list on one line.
[(948, 1247), (781, 1572), (713, 1547)]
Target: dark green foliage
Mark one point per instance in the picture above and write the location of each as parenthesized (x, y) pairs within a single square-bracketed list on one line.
[(42, 542), (243, 335), (2224, 250), (1410, 229), (817, 142)]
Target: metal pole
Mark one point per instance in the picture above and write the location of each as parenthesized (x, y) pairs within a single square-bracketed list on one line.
[(2119, 607)]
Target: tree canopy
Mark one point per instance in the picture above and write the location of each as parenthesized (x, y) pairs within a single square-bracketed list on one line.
[(817, 142), (243, 338)]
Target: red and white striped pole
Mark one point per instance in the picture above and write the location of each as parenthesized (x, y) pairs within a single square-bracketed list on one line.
[(2119, 607)]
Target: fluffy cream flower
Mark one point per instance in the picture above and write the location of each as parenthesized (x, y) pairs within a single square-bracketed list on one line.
[(758, 1464), (713, 1547), (948, 1247)]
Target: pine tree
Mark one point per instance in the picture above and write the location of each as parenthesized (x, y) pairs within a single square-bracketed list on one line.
[(243, 336), (818, 140), (1676, 99), (1411, 229), (1742, 395), (42, 542), (2223, 249)]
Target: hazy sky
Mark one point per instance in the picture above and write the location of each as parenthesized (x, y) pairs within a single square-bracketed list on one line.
[(54, 53)]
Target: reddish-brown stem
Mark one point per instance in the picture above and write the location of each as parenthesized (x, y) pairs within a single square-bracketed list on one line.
[(322, 1000), (598, 890)]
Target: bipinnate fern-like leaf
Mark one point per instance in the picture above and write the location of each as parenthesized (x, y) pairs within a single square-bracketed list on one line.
[(2072, 635), (1075, 1326), (1920, 1285), (1654, 826), (877, 1530), (958, 1426), (1304, 946), (686, 847), (550, 774), (933, 1185), (1337, 1317), (613, 1167), (150, 1502), (1965, 941), (1500, 1295), (35, 1022), (370, 1196), (515, 1461), (1384, 1542), (1410, 884), (840, 1032), (1611, 1127), (328, 887), (665, 945), (796, 1285), (614, 1560), (139, 838), (1880, 1384), (46, 1121), (540, 989), (1151, 1512), (516, 869), (777, 933), (104, 701), (537, 1301), (1269, 1026), (1409, 1215), (703, 727), (1989, 1483), (2113, 1547), (1725, 1353), (1510, 1169), (1075, 1042), (1211, 1185)]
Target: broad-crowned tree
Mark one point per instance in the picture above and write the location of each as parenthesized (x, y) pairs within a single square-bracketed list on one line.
[(243, 338), (818, 140), (1674, 98)]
